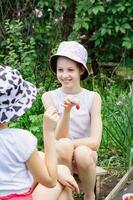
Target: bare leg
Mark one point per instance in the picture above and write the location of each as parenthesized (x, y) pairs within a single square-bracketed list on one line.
[(44, 193), (66, 195), (65, 152), (41, 192), (86, 165)]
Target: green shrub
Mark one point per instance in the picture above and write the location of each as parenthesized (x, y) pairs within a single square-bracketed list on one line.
[(19, 51), (118, 123)]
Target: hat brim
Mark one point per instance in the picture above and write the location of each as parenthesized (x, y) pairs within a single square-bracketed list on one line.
[(53, 65), (18, 108)]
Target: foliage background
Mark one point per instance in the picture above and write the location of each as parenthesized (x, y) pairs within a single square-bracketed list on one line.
[(30, 31)]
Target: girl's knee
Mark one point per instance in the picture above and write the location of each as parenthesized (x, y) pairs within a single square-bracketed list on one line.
[(84, 156), (65, 144), (64, 148)]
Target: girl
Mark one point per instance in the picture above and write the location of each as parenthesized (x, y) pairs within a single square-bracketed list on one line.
[(79, 128), (20, 160)]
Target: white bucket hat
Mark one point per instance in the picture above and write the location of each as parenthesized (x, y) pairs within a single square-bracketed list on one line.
[(74, 51), (16, 94)]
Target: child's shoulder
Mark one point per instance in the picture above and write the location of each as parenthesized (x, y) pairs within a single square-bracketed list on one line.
[(88, 92), (91, 95), (91, 92), (50, 93), (20, 130), (14, 138), (24, 134), (16, 133)]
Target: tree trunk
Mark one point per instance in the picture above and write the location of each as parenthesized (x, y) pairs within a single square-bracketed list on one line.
[(68, 19)]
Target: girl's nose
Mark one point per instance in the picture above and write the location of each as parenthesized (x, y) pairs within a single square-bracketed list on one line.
[(65, 74)]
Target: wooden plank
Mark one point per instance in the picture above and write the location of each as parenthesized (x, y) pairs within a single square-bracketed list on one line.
[(120, 185), (100, 171)]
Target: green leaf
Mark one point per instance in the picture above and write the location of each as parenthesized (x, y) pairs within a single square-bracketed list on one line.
[(97, 9), (121, 8), (127, 44), (114, 10), (103, 31), (109, 31), (97, 42), (126, 26), (92, 1), (85, 25), (122, 29), (117, 28)]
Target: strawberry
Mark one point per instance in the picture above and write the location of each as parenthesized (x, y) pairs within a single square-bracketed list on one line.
[(126, 198), (78, 106)]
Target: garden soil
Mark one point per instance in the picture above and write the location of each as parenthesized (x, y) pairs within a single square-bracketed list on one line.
[(108, 182)]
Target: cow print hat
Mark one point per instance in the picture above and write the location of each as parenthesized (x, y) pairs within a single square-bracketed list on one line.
[(16, 94)]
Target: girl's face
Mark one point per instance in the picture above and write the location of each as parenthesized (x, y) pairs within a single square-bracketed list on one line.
[(68, 72)]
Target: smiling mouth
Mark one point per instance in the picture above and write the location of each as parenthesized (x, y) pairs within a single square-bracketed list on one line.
[(67, 81)]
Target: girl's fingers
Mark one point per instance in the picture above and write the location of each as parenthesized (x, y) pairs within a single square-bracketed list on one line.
[(50, 118), (74, 185), (77, 189), (66, 184), (72, 102), (69, 185), (69, 103)]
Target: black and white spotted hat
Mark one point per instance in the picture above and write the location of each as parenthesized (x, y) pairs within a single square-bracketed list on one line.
[(16, 94)]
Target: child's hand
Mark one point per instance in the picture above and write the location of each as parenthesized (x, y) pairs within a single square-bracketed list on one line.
[(71, 101), (50, 119), (66, 179)]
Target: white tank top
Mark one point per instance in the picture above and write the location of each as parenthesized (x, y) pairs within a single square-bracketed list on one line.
[(79, 119)]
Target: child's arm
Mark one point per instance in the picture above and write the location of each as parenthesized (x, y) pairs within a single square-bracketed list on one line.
[(62, 128), (47, 100), (46, 171), (96, 126)]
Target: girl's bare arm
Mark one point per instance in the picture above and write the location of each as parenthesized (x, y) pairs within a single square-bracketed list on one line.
[(45, 171)]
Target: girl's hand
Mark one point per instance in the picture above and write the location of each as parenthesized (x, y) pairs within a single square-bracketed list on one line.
[(66, 179), (69, 102), (50, 119)]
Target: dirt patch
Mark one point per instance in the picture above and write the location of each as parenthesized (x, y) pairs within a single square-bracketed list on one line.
[(108, 182)]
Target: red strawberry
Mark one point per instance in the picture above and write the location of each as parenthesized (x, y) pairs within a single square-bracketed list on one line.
[(78, 106), (126, 198)]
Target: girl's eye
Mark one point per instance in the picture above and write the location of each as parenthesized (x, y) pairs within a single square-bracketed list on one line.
[(59, 70), (71, 70)]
